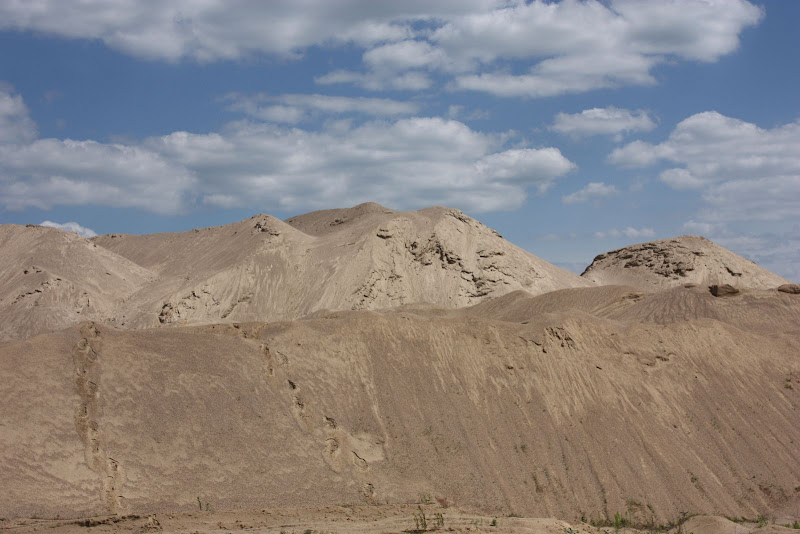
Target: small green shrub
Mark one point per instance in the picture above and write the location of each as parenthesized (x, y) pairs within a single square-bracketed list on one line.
[(420, 520)]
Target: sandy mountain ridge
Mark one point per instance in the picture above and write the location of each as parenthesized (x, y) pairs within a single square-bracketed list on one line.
[(265, 269), (458, 367)]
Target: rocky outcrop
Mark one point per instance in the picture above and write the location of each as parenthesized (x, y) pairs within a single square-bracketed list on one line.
[(675, 262), (792, 289), (723, 290)]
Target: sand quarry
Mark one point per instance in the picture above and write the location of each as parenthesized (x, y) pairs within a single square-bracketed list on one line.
[(370, 370)]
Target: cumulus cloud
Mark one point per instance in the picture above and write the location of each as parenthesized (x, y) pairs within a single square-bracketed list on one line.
[(630, 232), (49, 172), (294, 108), (602, 121), (570, 74), (214, 29), (569, 46), (405, 162), (592, 190), (15, 124), (580, 46), (70, 227), (744, 172)]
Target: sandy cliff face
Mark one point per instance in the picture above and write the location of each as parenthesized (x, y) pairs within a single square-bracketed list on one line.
[(677, 261)]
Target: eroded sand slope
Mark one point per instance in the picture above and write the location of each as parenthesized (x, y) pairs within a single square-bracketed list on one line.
[(569, 410), (51, 279)]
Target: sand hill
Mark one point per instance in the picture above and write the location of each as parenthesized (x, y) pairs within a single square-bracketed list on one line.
[(328, 370), (366, 257), (261, 269), (678, 261), (51, 279)]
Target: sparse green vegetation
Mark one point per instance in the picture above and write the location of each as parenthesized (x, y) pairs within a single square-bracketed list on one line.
[(420, 521), (626, 521), (620, 521)]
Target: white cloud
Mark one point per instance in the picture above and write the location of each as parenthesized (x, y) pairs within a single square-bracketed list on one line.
[(713, 148), (15, 124), (570, 46), (630, 232), (700, 228), (602, 121), (592, 190), (681, 179), (773, 198), (49, 172), (213, 29), (405, 55), (744, 172), (588, 45), (294, 108), (569, 74), (407, 162), (406, 81), (70, 227)]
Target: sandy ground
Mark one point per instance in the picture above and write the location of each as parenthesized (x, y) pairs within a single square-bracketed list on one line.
[(364, 519)]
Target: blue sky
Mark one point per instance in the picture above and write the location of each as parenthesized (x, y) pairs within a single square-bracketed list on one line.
[(572, 128)]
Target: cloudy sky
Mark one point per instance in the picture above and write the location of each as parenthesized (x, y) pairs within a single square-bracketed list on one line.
[(571, 128)]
